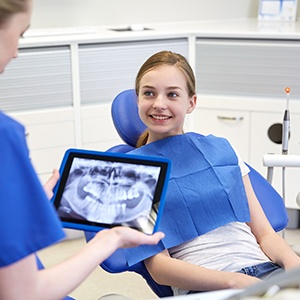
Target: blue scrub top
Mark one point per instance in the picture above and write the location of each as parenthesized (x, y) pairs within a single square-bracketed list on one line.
[(28, 220)]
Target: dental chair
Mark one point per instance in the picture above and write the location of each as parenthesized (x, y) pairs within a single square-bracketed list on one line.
[(129, 127)]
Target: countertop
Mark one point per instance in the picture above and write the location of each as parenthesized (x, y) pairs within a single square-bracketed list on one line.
[(237, 28)]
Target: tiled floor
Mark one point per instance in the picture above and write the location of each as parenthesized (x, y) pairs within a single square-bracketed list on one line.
[(100, 283)]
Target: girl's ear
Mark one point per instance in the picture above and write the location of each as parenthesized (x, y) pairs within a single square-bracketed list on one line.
[(193, 102)]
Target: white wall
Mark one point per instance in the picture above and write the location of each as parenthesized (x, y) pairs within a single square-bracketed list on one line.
[(59, 13)]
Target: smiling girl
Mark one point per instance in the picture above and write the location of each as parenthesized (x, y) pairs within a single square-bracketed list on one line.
[(217, 235)]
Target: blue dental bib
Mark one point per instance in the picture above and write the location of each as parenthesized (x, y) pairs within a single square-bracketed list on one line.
[(205, 190)]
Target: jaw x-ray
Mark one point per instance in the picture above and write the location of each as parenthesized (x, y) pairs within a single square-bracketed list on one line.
[(110, 193)]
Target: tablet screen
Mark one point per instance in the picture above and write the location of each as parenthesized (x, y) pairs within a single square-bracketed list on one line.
[(101, 190)]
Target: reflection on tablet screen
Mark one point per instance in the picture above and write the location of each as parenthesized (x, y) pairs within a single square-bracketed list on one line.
[(109, 192)]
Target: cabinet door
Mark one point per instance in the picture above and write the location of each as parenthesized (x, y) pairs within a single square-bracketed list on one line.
[(109, 68), (40, 78), (49, 133), (98, 131), (245, 67), (262, 144), (233, 125)]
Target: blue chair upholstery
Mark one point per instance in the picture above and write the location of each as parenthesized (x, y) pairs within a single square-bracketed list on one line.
[(129, 126), (125, 116), (271, 202)]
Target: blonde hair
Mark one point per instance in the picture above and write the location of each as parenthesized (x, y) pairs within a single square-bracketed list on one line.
[(10, 7), (161, 59)]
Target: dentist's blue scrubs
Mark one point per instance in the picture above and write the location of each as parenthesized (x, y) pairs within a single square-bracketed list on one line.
[(27, 219)]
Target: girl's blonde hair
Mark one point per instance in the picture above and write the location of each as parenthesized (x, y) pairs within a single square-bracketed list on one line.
[(10, 7), (161, 59)]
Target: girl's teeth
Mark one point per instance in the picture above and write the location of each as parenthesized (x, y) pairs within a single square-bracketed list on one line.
[(160, 117)]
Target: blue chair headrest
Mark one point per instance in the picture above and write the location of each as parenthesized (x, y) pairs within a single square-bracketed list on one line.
[(124, 112)]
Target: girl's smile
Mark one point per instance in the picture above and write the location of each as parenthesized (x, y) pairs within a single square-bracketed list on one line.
[(160, 117)]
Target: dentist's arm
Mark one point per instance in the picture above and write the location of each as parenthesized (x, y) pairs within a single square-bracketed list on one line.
[(22, 280)]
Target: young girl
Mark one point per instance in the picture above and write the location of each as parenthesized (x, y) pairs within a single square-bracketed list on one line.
[(28, 221), (217, 235)]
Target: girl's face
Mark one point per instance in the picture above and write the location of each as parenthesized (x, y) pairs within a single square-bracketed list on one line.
[(10, 32), (163, 102)]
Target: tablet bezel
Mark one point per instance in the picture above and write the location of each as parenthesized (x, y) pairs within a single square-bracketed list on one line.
[(159, 194)]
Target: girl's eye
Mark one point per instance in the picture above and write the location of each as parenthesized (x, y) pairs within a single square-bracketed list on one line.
[(172, 95), (148, 93)]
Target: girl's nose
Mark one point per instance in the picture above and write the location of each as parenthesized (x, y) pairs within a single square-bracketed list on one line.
[(159, 103)]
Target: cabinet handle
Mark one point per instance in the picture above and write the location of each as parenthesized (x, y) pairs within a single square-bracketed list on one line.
[(230, 118)]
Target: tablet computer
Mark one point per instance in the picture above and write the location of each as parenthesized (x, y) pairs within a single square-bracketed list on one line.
[(100, 190)]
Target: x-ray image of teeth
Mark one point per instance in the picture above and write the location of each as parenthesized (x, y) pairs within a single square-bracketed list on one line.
[(110, 193)]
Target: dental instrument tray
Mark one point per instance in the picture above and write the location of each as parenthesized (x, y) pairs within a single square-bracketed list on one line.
[(100, 190)]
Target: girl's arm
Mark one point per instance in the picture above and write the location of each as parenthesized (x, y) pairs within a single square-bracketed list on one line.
[(169, 271), (22, 280), (274, 246)]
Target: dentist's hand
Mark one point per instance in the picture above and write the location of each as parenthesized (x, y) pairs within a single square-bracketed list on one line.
[(50, 184), (124, 237)]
